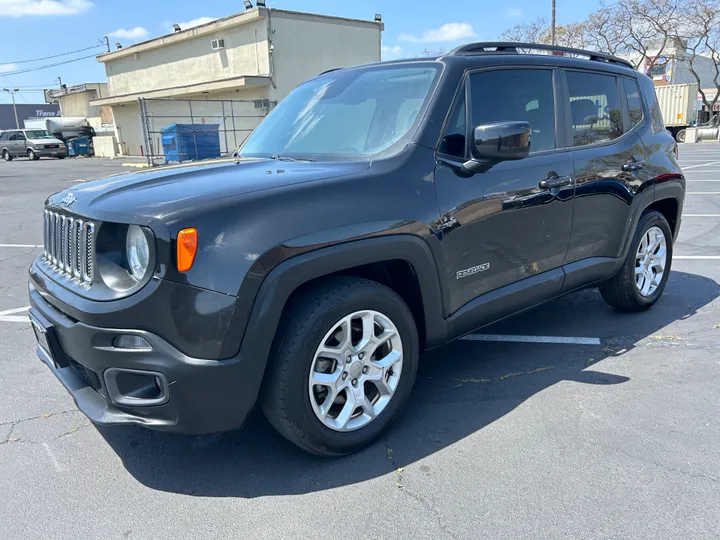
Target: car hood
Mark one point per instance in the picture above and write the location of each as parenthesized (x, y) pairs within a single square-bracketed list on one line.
[(145, 196), (50, 140)]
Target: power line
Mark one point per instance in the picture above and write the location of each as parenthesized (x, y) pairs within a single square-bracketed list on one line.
[(46, 66), (54, 55)]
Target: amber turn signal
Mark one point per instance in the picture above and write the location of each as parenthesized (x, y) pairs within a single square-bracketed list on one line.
[(187, 243)]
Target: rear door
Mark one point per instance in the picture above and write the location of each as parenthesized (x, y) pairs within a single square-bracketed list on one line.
[(509, 223), (12, 142), (609, 160)]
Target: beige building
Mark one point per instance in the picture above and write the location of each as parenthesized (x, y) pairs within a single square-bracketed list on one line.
[(75, 102), (260, 54)]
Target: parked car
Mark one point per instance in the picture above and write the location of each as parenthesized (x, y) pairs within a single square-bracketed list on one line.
[(30, 143), (379, 211)]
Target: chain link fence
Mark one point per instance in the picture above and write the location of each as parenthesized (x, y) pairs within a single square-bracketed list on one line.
[(177, 130)]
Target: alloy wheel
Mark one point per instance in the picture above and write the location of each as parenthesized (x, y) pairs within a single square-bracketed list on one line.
[(650, 261), (355, 371)]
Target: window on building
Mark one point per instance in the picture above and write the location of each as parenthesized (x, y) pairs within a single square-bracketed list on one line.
[(595, 111), (516, 95)]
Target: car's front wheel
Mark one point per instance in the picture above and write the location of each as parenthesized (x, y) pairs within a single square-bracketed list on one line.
[(343, 365), (642, 278), (32, 155)]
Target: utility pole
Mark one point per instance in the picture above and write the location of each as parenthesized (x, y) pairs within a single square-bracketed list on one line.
[(552, 27), (107, 43), (12, 93)]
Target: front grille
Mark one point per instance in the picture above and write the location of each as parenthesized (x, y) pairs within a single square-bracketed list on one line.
[(69, 245)]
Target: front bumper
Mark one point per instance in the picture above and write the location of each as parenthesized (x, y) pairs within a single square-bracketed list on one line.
[(203, 396), (48, 152)]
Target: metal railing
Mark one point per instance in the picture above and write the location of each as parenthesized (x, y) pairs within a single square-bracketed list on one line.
[(178, 130)]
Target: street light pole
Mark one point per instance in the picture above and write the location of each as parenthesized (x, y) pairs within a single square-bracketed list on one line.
[(552, 27), (12, 95)]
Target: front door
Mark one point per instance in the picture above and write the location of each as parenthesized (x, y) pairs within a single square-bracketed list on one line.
[(513, 221)]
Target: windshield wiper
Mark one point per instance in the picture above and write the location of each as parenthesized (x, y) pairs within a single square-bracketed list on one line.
[(288, 158)]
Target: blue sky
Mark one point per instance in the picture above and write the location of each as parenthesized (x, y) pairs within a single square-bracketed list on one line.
[(39, 28)]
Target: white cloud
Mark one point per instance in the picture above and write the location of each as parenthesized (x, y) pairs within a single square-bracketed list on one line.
[(5, 68), (388, 53), (195, 22), (447, 32), (131, 33), (20, 8), (513, 12)]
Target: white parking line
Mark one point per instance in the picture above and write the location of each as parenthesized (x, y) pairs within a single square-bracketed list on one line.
[(15, 318), (700, 215), (702, 180), (701, 165), (19, 246), (533, 339), (696, 257), (702, 193), (15, 310)]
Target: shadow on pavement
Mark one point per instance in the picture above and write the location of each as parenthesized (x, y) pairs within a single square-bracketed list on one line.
[(461, 388)]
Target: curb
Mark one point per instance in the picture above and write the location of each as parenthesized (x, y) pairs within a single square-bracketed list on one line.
[(136, 165)]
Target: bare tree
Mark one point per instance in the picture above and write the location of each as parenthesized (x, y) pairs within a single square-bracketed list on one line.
[(536, 31), (433, 53), (604, 30), (702, 33)]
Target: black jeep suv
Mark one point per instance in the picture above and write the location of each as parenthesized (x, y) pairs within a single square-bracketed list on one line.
[(378, 211)]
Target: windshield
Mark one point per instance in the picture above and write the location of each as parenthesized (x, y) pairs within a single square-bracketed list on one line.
[(38, 134), (354, 114)]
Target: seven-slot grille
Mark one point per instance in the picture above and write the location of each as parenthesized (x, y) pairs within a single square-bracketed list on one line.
[(69, 245)]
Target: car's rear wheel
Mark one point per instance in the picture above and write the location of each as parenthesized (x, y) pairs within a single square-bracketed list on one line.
[(343, 365), (680, 137), (32, 155), (6, 155), (642, 278)]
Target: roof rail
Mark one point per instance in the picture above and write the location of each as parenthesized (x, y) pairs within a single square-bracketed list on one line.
[(508, 47)]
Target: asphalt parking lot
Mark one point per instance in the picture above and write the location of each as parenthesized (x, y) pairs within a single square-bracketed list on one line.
[(601, 425)]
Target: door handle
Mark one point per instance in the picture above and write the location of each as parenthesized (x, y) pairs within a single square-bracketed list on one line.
[(555, 182), (632, 166)]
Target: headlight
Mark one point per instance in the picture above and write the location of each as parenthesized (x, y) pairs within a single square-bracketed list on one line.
[(137, 252), (40, 146)]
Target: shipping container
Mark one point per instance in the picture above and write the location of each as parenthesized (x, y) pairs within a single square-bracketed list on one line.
[(678, 103)]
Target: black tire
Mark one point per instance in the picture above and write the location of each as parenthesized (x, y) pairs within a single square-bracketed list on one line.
[(7, 156), (284, 397), (620, 291), (32, 155), (680, 137), (61, 157)]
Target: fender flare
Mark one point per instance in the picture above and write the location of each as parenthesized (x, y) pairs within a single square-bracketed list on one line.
[(289, 275)]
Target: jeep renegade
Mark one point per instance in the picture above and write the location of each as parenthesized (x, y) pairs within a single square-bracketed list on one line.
[(377, 212)]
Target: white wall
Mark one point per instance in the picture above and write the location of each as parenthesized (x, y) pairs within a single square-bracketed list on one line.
[(305, 46), (127, 129), (192, 61)]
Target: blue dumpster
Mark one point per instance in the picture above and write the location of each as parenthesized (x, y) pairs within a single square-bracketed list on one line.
[(79, 146), (182, 142)]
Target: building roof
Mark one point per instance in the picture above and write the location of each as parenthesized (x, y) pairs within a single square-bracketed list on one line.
[(236, 19)]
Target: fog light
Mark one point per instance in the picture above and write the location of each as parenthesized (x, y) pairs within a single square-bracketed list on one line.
[(135, 388), (127, 341)]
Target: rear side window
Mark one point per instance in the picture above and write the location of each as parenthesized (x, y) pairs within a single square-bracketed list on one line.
[(635, 108), (648, 89), (595, 111), (516, 95)]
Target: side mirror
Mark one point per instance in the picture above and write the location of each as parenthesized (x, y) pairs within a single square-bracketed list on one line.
[(499, 141)]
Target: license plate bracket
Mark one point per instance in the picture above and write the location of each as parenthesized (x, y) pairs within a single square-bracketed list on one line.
[(47, 340)]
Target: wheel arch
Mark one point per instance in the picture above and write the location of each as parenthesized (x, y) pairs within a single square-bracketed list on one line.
[(366, 258)]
